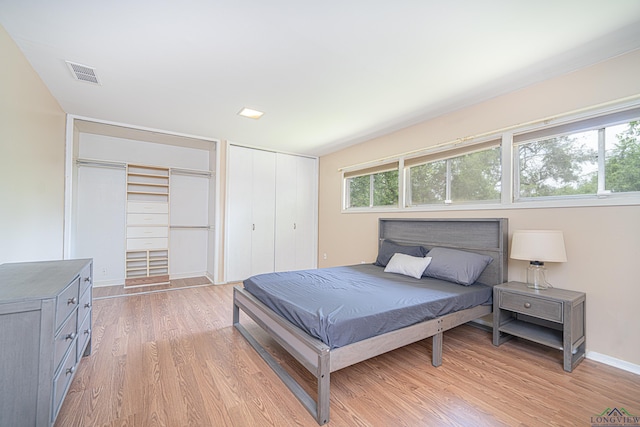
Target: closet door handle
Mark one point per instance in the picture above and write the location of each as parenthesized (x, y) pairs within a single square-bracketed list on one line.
[(294, 225), (253, 227)]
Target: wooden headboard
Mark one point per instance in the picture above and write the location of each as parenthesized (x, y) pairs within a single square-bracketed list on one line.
[(488, 236)]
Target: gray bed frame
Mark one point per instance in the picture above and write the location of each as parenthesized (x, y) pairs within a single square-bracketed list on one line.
[(483, 235)]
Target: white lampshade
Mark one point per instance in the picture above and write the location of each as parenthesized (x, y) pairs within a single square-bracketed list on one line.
[(538, 245)]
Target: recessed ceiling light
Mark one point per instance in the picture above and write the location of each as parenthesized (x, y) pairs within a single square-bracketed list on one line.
[(250, 113)]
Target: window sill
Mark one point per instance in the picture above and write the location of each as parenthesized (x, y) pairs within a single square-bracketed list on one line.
[(588, 201)]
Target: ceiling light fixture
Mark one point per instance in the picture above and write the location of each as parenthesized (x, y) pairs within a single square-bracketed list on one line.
[(250, 113)]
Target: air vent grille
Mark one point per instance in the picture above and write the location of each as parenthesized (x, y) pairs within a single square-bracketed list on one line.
[(83, 73)]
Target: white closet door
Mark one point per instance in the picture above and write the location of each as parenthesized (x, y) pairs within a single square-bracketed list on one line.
[(263, 212), (296, 212), (306, 213), (239, 213), (286, 210)]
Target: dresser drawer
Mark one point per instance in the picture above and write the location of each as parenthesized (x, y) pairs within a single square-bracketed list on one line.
[(147, 244), (65, 339), (67, 301), (532, 306), (147, 219), (144, 232), (146, 207), (84, 333), (86, 278), (61, 381), (85, 305)]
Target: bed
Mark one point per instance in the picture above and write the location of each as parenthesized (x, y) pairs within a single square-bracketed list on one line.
[(333, 343)]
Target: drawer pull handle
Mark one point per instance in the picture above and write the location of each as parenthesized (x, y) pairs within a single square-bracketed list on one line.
[(527, 305), (71, 370), (87, 331), (70, 336), (73, 300)]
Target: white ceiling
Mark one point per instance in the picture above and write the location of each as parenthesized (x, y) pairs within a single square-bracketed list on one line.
[(327, 73)]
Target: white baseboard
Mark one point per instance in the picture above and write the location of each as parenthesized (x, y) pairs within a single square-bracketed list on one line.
[(113, 282), (612, 361), (189, 275)]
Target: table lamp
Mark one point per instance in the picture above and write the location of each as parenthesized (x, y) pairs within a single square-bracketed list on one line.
[(538, 247)]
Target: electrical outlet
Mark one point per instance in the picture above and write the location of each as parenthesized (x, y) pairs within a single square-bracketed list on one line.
[(324, 256), (104, 271)]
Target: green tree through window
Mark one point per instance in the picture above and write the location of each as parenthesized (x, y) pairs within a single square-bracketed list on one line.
[(383, 186), (559, 166), (476, 176), (622, 168), (470, 177)]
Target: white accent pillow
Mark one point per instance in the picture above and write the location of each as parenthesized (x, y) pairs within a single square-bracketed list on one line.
[(408, 265)]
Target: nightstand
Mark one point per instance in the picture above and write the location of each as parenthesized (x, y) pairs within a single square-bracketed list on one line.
[(552, 317)]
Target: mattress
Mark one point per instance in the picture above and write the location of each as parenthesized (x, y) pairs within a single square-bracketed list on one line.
[(343, 305)]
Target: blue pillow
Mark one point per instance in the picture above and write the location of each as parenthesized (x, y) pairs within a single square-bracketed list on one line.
[(456, 266), (388, 248)]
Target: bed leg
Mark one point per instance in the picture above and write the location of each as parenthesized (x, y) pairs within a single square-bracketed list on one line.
[(324, 372), (436, 349), (236, 314)]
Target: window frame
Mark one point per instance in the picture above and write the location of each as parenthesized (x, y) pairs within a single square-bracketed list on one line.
[(509, 138), (452, 154), (371, 172)]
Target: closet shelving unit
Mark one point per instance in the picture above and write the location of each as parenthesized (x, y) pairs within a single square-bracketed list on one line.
[(147, 255)]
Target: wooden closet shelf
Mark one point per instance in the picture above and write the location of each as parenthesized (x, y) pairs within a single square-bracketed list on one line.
[(153, 193)]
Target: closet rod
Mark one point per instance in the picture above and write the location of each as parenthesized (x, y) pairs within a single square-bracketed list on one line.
[(191, 172), (100, 164)]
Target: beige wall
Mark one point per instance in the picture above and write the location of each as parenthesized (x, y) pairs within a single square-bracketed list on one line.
[(603, 243), (32, 146)]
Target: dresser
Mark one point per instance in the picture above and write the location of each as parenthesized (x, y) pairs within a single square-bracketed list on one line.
[(45, 329)]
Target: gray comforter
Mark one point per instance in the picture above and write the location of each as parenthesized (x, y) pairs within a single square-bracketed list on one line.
[(342, 305)]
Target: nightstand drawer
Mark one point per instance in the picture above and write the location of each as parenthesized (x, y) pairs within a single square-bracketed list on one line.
[(532, 306)]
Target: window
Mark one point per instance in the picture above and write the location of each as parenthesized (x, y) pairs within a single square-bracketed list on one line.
[(591, 157), (559, 166), (469, 177), (592, 160), (622, 157), (373, 187)]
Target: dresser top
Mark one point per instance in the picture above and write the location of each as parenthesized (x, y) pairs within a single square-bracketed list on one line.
[(37, 280), (549, 293)]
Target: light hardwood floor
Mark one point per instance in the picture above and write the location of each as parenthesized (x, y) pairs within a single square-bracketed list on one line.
[(173, 359)]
